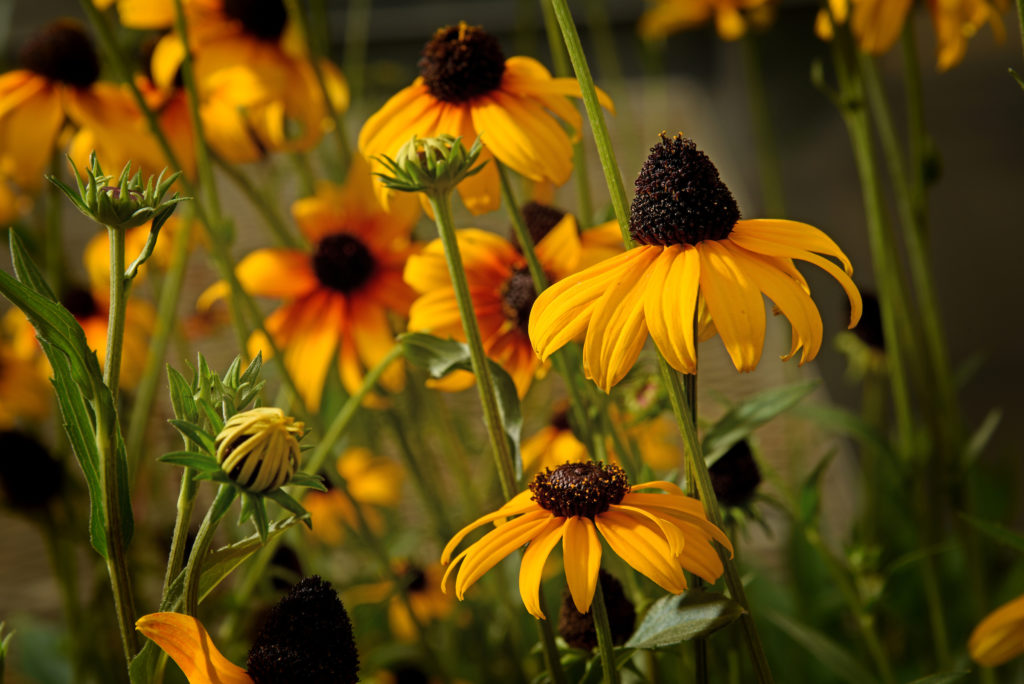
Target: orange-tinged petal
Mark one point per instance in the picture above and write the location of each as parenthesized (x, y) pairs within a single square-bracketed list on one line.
[(735, 303), (560, 250), (313, 342), (274, 272), (646, 552), (373, 337), (520, 503), (582, 558), (999, 636), (28, 134), (496, 545), (532, 567), (189, 645), (670, 304)]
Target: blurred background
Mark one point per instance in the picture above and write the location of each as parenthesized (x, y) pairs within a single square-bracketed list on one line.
[(697, 84)]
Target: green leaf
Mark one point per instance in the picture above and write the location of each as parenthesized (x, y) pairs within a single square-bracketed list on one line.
[(831, 655), (674, 619), (943, 677), (301, 479), (997, 532), (143, 665), (195, 433), (190, 459), (745, 417), (595, 668), (182, 397), (26, 271), (982, 436), (440, 357), (259, 517), (285, 501)]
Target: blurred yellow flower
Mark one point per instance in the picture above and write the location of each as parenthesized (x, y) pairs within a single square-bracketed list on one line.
[(669, 16), (693, 247), (1000, 636), (422, 585), (467, 88), (25, 390)]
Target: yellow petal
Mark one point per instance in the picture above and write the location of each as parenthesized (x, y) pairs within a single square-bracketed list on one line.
[(520, 503), (646, 552), (188, 644), (560, 250), (496, 545), (999, 636), (670, 304), (581, 551), (532, 567), (274, 272), (735, 303)]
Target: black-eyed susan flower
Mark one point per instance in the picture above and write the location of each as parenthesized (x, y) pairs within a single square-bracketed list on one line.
[(693, 248), (999, 637), (597, 243), (306, 637), (467, 88), (659, 535), (670, 16), (258, 89), (57, 80), (338, 295), (372, 481), (500, 287)]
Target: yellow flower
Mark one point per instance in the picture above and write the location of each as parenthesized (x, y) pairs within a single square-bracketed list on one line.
[(25, 390), (659, 535), (259, 448), (336, 298), (500, 287), (307, 632), (669, 16), (57, 81), (371, 481), (422, 586), (693, 247), (467, 88), (14, 204), (1000, 636), (258, 88), (956, 21)]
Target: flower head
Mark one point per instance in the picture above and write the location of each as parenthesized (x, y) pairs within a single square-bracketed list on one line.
[(659, 535), (999, 637), (468, 89), (696, 261), (259, 448), (731, 16), (306, 637)]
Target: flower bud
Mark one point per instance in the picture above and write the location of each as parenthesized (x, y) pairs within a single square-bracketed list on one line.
[(259, 448), (431, 165)]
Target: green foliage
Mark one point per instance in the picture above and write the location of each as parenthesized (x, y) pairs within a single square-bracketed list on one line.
[(672, 620), (86, 404), (825, 651)]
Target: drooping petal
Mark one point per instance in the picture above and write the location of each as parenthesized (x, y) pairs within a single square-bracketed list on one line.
[(560, 250), (281, 273), (802, 236), (670, 303), (676, 540), (496, 545), (617, 330), (999, 636), (735, 303), (373, 337), (646, 552), (581, 551), (532, 568), (189, 645), (520, 503)]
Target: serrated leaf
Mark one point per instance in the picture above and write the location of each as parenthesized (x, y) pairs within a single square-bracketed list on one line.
[(440, 357), (827, 652), (674, 619), (997, 532), (750, 414)]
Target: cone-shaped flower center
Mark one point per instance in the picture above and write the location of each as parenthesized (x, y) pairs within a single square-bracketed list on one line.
[(62, 52), (263, 19), (80, 303), (680, 198), (461, 62), (343, 262), (540, 219), (517, 297), (584, 489), (307, 637)]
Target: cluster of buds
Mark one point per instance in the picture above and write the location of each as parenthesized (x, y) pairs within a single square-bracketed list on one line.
[(431, 165), (123, 204)]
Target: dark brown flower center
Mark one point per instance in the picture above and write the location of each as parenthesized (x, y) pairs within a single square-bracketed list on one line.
[(62, 52), (80, 303), (680, 198), (584, 489), (560, 419), (517, 297), (263, 19), (461, 62), (735, 475), (343, 262), (417, 579), (29, 476), (540, 219)]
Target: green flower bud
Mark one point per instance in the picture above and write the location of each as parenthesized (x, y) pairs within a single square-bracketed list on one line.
[(431, 165), (259, 448), (125, 204)]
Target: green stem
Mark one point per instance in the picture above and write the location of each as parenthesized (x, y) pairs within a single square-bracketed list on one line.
[(700, 644), (194, 570), (597, 124), (441, 205), (772, 198), (263, 203), (116, 313), (357, 28), (182, 520), (1020, 19), (605, 646), (53, 246), (919, 141), (167, 308), (707, 495), (560, 60)]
